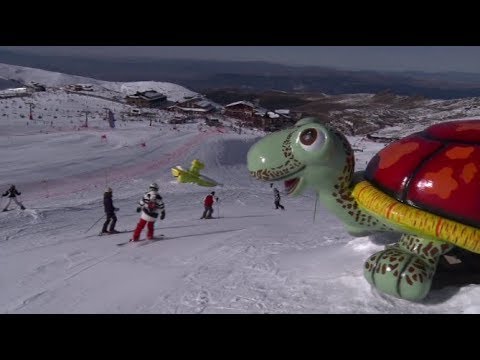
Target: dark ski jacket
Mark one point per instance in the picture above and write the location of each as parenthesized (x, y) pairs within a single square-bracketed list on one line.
[(108, 203), (12, 191), (276, 194)]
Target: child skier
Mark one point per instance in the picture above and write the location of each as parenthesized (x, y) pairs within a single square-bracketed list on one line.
[(276, 197), (208, 204), (150, 206), (12, 193)]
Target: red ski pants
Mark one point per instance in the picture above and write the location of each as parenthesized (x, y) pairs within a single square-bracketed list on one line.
[(139, 228)]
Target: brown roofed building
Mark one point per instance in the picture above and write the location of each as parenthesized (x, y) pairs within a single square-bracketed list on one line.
[(149, 98), (194, 105)]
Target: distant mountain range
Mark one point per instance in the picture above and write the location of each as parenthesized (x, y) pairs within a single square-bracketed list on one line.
[(201, 76), (381, 116)]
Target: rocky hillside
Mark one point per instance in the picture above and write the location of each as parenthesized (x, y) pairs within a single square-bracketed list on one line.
[(359, 114)]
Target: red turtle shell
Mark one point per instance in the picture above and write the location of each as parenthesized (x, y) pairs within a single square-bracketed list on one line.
[(436, 170)]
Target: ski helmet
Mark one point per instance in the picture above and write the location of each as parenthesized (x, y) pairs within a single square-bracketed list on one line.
[(108, 190), (153, 186)]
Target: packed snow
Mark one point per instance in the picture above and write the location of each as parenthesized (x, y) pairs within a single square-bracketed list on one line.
[(250, 258)]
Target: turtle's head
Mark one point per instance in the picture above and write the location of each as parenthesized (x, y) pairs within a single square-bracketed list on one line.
[(306, 155)]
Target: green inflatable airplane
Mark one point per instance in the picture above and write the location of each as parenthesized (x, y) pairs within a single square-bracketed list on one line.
[(193, 175)]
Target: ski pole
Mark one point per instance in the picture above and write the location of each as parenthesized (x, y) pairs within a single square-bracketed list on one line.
[(95, 223), (315, 210)]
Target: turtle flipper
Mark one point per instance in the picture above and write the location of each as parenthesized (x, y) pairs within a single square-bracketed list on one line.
[(406, 269)]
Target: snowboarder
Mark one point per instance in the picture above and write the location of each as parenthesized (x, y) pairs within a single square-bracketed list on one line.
[(109, 212), (12, 193), (150, 206), (277, 197), (208, 203)]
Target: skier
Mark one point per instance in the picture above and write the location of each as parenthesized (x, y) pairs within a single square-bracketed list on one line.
[(109, 212), (150, 206), (208, 203), (277, 198), (12, 193)]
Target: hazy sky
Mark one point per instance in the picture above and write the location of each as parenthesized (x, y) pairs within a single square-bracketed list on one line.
[(422, 58)]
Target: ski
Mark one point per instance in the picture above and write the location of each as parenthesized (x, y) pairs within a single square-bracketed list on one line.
[(114, 233), (142, 241), (129, 242), (124, 243), (155, 239)]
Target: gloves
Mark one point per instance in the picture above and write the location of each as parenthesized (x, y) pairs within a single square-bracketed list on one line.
[(139, 209), (162, 216), (116, 209), (216, 199)]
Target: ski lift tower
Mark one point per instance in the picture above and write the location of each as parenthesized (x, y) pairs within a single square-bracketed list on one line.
[(86, 117), (31, 105), (106, 113)]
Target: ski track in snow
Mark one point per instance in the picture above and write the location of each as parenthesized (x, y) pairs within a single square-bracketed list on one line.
[(255, 261)]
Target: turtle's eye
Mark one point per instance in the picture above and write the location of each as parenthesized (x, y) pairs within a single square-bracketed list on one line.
[(311, 139)]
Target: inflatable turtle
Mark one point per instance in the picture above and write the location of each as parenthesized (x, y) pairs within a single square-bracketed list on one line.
[(425, 186)]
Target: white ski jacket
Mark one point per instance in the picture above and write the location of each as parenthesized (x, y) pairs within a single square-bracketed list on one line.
[(151, 204)]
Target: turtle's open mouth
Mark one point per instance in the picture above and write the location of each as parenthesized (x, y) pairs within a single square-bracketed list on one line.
[(291, 185)]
